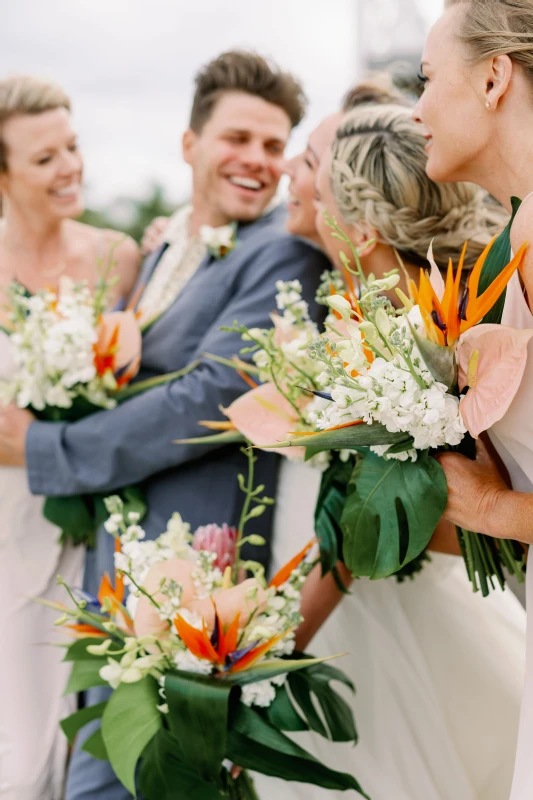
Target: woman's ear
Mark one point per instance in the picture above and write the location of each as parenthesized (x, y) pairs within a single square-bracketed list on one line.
[(498, 80), (364, 236)]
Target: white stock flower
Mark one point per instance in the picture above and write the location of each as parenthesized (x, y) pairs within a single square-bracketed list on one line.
[(261, 694), (339, 303)]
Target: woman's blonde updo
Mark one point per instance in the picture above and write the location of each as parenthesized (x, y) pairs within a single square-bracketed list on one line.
[(22, 94), (493, 28), (378, 174)]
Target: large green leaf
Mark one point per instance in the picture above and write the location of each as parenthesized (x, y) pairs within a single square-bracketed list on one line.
[(95, 746), (328, 511), (391, 512), (314, 685), (75, 722), (126, 734), (354, 436), (77, 651), (269, 669), (282, 714), (198, 718), (85, 674), (73, 515), (498, 258), (256, 744), (163, 776)]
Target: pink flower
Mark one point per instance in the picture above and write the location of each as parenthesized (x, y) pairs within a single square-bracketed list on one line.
[(499, 355), (219, 540), (264, 416), (245, 599)]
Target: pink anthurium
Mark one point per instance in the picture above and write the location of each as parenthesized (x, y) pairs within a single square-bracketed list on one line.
[(264, 416), (147, 620), (244, 599), (491, 360)]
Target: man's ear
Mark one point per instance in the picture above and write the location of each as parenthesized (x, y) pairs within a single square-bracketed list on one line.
[(188, 144)]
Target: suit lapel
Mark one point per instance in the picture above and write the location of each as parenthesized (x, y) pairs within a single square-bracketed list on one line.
[(147, 270)]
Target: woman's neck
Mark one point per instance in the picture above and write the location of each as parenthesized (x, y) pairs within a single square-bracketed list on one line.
[(505, 168), (32, 236)]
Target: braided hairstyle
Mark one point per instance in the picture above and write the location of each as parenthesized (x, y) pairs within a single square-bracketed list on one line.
[(378, 174)]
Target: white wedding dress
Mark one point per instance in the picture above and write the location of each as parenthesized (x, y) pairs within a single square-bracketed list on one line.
[(438, 669), (513, 438), (33, 749)]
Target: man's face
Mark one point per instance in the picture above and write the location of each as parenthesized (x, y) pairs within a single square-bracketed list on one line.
[(237, 158)]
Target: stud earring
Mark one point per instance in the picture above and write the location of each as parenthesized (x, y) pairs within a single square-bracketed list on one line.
[(488, 104)]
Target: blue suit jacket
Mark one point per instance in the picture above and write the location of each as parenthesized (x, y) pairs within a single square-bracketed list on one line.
[(133, 443)]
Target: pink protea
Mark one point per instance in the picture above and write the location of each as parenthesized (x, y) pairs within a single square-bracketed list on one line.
[(219, 540)]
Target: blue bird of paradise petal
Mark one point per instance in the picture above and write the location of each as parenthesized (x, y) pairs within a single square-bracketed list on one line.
[(232, 658), (323, 395), (86, 597)]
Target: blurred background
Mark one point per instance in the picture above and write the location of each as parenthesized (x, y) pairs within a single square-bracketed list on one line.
[(129, 65)]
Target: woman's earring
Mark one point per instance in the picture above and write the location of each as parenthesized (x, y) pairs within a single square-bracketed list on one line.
[(488, 105)]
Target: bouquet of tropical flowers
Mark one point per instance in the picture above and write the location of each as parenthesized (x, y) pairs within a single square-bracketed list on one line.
[(202, 664), (391, 386), (70, 360), (401, 384)]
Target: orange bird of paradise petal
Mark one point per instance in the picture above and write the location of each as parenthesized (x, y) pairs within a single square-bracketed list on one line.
[(446, 319), (284, 573), (106, 590), (250, 658), (229, 639), (83, 630), (196, 641)]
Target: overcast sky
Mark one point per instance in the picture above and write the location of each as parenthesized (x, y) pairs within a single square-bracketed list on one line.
[(129, 65)]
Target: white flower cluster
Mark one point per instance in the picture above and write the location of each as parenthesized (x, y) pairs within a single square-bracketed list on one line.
[(53, 349), (285, 346), (137, 556), (395, 388)]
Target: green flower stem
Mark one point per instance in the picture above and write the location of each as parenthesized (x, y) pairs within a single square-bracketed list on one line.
[(285, 395), (141, 589), (152, 383), (248, 495)]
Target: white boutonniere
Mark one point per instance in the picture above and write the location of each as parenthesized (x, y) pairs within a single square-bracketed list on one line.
[(219, 241)]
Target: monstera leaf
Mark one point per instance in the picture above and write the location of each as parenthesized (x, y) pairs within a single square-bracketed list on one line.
[(391, 512)]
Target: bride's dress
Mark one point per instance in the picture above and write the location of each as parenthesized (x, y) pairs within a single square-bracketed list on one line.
[(33, 748), (513, 438), (438, 670)]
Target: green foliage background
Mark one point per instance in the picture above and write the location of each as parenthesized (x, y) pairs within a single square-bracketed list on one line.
[(143, 211)]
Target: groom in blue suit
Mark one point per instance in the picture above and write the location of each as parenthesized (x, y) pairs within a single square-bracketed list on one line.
[(242, 116)]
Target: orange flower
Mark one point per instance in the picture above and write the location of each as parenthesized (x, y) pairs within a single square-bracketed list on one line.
[(118, 349), (115, 595), (284, 573), (447, 317)]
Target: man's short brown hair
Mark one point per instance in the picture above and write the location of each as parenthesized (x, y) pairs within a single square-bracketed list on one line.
[(242, 71)]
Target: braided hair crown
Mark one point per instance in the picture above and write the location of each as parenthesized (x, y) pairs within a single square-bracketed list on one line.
[(378, 175)]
